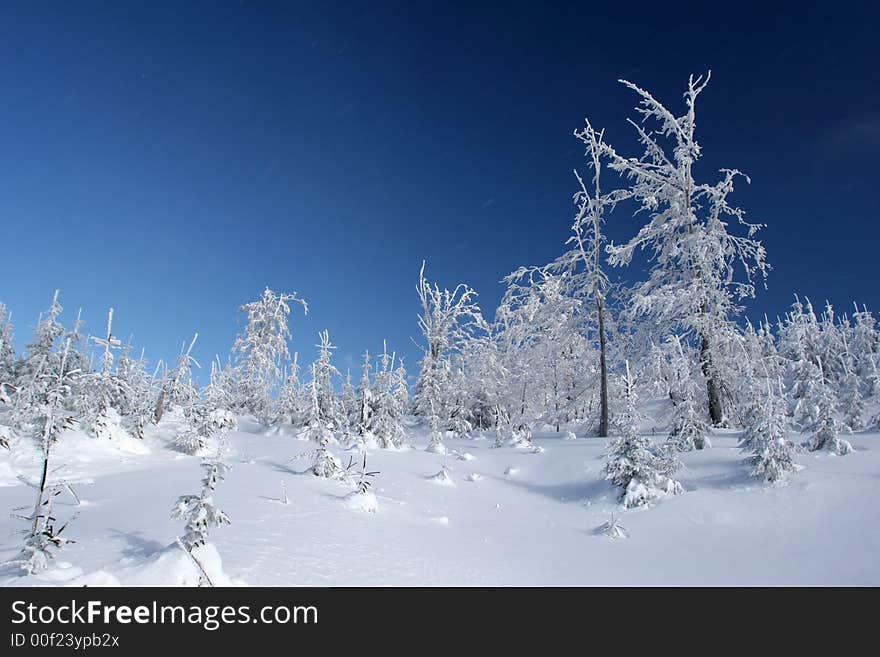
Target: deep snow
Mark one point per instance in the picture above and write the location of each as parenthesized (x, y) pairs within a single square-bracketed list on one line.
[(508, 516)]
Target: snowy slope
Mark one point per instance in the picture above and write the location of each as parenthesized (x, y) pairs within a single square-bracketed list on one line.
[(527, 518)]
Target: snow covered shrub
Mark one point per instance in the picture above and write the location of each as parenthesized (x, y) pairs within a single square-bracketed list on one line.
[(202, 422), (765, 439), (634, 464), (689, 429), (521, 436), (198, 511)]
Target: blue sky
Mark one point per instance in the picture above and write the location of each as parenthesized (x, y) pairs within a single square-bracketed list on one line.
[(171, 160)]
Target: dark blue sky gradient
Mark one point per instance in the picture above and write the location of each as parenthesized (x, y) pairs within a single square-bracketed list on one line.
[(171, 160)]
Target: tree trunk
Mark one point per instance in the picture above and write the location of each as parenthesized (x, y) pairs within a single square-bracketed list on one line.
[(45, 473), (716, 413), (160, 408), (603, 372)]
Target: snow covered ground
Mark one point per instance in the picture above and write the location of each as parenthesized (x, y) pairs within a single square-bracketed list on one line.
[(508, 517)]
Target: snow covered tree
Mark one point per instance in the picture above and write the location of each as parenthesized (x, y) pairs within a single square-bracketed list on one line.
[(537, 325), (435, 434), (104, 392), (321, 418), (401, 390), (385, 416), (7, 355), (325, 408), (849, 394), (219, 394), (364, 393), (42, 347), (350, 406), (771, 455), (293, 399), (206, 417), (634, 464), (586, 280), (43, 361), (693, 284), (139, 401), (325, 463), (447, 319), (865, 345), (178, 390), (199, 512), (261, 350)]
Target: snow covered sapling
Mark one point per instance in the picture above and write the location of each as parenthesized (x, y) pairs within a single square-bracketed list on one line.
[(825, 427), (198, 511), (324, 407), (349, 405), (293, 398), (325, 463), (612, 529), (385, 415), (49, 419), (361, 498), (582, 263), (178, 390), (138, 403), (435, 442), (104, 389), (502, 426), (689, 429), (765, 439), (634, 464), (443, 477)]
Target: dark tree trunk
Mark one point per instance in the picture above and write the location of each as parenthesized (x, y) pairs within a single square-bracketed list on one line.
[(716, 413), (39, 503), (603, 372)]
